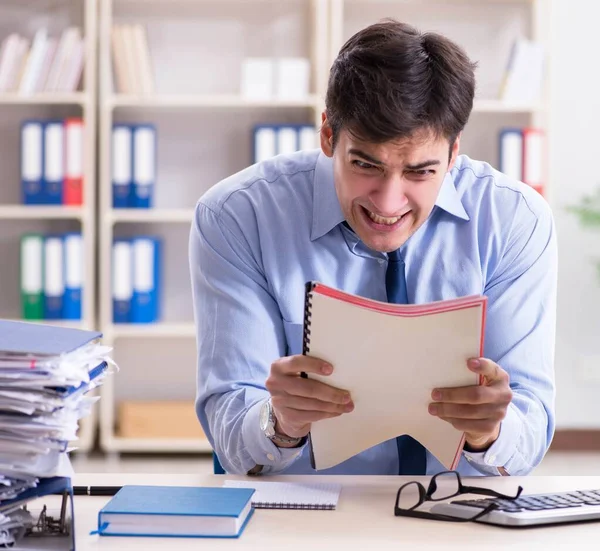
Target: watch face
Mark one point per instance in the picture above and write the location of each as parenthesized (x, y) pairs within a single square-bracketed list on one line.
[(264, 416)]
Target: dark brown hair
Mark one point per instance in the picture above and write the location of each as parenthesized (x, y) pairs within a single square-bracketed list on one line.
[(390, 80)]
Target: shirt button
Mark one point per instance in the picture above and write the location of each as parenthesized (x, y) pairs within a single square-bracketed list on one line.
[(270, 457), (382, 262), (492, 459)]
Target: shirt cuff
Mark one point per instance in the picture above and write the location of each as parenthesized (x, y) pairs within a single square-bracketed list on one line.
[(262, 450), (502, 450)]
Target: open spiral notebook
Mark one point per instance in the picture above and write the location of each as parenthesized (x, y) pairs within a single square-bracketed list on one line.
[(290, 495)]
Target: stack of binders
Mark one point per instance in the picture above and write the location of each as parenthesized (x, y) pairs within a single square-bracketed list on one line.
[(45, 374)]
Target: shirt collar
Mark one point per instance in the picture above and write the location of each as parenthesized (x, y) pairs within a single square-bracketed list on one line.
[(327, 213)]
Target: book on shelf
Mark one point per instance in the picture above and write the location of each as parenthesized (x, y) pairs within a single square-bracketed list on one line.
[(42, 63), (523, 79), (136, 279), (52, 162), (131, 58), (382, 354), (51, 273)]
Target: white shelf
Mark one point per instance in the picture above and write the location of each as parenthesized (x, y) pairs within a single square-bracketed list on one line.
[(150, 330), (227, 101), (158, 445), (150, 215), (75, 98), (499, 106), (40, 212)]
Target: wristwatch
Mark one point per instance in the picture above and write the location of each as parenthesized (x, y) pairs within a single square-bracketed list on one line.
[(267, 425)]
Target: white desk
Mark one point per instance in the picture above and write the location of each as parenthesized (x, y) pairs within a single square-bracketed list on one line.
[(364, 519)]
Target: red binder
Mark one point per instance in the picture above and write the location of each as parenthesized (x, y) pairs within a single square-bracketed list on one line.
[(73, 182)]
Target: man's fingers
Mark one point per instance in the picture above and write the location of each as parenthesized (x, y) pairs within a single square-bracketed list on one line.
[(294, 365), (310, 388), (490, 370), (309, 404), (496, 394), (468, 411), (474, 426), (297, 417)]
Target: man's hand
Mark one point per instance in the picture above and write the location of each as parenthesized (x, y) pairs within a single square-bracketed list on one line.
[(476, 410), (297, 401)]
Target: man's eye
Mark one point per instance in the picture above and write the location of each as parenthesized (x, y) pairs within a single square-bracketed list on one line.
[(424, 172), (363, 165)]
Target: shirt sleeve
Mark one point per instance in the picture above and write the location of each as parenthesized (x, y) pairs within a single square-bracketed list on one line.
[(239, 334), (520, 337)]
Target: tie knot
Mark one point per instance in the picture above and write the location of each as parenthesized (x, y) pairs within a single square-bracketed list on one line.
[(394, 256)]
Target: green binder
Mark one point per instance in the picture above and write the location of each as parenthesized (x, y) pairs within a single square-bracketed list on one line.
[(32, 269)]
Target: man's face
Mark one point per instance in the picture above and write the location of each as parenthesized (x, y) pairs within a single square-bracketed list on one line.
[(387, 190)]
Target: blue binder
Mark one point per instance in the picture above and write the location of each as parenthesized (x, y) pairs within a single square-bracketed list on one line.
[(32, 162), (144, 165), (145, 307), (122, 165), (73, 270), (54, 154), (40, 339), (54, 286), (122, 280)]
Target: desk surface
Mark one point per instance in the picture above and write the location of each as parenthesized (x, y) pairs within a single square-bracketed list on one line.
[(364, 519)]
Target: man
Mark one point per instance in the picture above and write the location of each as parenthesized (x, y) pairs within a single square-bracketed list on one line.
[(388, 178)]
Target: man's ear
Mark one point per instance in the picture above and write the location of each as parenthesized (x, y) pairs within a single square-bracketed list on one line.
[(326, 136), (454, 152)]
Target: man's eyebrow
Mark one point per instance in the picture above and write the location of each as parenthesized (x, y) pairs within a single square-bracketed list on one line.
[(366, 156), (424, 164)]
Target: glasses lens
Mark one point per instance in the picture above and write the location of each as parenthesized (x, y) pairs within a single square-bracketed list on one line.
[(445, 485), (409, 496)]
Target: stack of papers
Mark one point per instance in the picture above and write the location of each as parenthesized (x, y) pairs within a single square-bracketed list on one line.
[(45, 373)]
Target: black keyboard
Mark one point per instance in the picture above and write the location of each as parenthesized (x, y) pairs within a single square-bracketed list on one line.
[(537, 502)]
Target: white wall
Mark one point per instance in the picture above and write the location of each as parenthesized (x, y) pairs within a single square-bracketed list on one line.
[(574, 169)]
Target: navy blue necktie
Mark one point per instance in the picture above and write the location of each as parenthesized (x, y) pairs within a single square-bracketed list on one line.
[(413, 459)]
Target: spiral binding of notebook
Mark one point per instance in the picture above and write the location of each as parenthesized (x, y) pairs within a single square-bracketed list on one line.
[(314, 496), (307, 306)]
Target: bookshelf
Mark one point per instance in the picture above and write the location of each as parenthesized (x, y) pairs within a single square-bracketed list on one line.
[(203, 130), (26, 18)]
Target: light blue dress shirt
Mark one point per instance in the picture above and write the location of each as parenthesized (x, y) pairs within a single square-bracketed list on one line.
[(261, 234)]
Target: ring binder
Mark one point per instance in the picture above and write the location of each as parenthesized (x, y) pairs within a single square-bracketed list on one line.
[(306, 331)]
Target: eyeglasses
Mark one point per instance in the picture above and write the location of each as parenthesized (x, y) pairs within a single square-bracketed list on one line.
[(444, 485)]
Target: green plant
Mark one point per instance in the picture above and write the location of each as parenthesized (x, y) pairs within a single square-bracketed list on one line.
[(588, 212)]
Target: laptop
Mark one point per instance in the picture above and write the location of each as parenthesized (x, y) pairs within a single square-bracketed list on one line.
[(528, 510)]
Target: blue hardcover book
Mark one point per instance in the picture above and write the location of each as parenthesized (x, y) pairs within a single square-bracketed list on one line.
[(168, 511), (54, 154), (32, 162), (144, 165), (73, 272), (145, 304), (122, 165), (21, 338)]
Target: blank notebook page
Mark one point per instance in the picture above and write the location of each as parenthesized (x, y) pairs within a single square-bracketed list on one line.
[(290, 495)]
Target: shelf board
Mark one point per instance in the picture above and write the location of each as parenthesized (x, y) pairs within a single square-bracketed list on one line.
[(44, 212), (499, 106), (176, 101), (157, 445), (151, 330), (151, 215), (73, 98)]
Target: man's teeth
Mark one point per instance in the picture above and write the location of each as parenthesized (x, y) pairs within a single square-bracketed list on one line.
[(382, 219)]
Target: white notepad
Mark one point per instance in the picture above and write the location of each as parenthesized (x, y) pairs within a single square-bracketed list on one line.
[(290, 495)]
